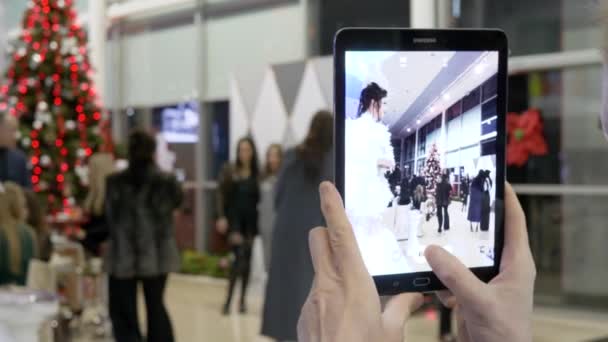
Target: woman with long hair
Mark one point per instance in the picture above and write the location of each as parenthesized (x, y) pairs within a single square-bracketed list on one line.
[(101, 166), (238, 198), (476, 199), (297, 209), (18, 242), (486, 205), (139, 206), (368, 156), (274, 158)]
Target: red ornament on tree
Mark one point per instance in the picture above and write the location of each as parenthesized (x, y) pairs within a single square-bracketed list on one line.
[(525, 137)]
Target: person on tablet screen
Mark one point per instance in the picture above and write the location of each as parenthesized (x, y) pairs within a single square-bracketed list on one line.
[(368, 156)]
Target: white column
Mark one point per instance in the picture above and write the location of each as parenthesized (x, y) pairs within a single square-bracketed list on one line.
[(415, 170), (443, 141), (444, 14), (3, 40), (422, 14), (97, 43)]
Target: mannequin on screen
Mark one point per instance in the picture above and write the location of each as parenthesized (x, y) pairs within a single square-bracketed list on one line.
[(368, 155)]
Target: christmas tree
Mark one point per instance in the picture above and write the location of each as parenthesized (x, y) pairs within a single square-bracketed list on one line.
[(432, 168), (48, 88)]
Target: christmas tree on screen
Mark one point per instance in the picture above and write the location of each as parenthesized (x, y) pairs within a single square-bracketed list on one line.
[(48, 88), (432, 168)]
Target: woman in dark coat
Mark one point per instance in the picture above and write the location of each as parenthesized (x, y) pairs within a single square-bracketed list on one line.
[(238, 200), (140, 203), (442, 200), (298, 211), (464, 192), (474, 215), (484, 225)]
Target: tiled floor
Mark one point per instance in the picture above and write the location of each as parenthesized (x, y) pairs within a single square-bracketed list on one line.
[(195, 307)]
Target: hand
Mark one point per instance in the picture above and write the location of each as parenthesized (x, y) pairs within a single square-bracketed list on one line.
[(236, 239), (222, 225), (502, 309), (343, 304)]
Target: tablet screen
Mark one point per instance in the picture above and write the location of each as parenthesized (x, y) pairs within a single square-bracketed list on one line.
[(420, 156)]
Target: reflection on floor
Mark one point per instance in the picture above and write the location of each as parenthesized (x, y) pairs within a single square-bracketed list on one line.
[(195, 307), (415, 233)]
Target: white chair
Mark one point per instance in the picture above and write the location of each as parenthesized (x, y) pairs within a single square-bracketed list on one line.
[(389, 216), (402, 225), (41, 276)]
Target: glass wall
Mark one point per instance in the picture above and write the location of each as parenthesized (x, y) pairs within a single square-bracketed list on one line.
[(564, 191)]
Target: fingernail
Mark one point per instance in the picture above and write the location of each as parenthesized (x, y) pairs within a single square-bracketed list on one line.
[(324, 188)]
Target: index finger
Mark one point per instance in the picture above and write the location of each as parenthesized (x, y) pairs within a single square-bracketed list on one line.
[(341, 236)]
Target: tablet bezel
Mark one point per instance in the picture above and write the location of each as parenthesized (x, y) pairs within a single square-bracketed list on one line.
[(384, 39)]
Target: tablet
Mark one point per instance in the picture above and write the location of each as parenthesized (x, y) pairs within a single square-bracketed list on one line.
[(420, 149)]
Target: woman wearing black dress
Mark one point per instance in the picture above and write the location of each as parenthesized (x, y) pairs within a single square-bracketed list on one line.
[(484, 225), (475, 201), (238, 199), (464, 192)]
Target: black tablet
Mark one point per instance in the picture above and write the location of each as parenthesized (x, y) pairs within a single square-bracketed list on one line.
[(420, 148)]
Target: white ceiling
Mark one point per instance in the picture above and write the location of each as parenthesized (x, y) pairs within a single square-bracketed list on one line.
[(478, 72), (405, 75), (409, 75)]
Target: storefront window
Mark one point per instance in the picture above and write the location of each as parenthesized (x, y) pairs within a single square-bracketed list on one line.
[(569, 102), (535, 26)]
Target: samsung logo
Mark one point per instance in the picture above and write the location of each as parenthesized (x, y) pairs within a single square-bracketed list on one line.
[(425, 40)]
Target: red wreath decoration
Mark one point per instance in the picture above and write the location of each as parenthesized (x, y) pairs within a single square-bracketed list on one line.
[(525, 134)]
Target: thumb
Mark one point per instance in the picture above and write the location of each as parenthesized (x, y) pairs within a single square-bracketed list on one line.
[(398, 310), (454, 275)]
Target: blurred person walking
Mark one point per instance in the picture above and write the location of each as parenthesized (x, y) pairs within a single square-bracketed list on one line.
[(18, 244), (139, 206), (464, 192), (274, 159), (13, 162), (442, 198), (237, 202), (297, 204), (486, 205), (101, 166)]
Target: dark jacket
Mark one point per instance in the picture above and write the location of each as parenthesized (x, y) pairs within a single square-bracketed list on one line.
[(406, 192), (442, 195), (13, 167), (140, 223), (237, 200)]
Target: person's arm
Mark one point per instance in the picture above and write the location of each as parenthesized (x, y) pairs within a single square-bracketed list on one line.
[(26, 180), (222, 223)]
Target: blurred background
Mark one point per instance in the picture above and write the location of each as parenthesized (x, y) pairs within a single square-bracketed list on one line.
[(201, 74)]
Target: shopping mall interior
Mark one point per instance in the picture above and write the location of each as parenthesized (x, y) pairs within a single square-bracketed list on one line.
[(193, 78)]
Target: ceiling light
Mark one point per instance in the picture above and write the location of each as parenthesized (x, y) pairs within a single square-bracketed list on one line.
[(409, 129), (447, 97), (432, 109), (418, 122), (480, 68)]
